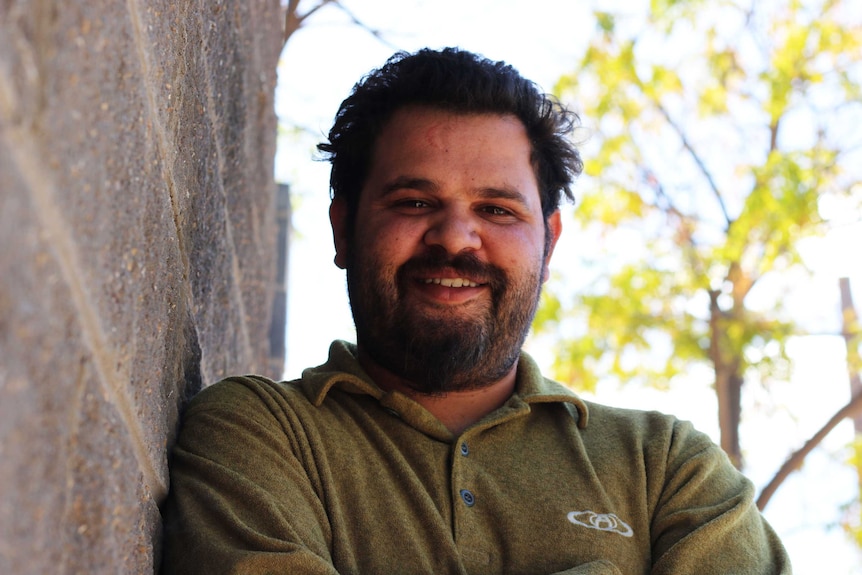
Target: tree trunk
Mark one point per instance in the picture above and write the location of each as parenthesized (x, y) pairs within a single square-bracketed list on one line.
[(728, 382), (850, 331)]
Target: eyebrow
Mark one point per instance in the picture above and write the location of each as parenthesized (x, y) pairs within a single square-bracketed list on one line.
[(503, 193), (426, 185), (408, 182)]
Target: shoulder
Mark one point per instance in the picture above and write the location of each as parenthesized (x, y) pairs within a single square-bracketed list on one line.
[(244, 402), (245, 390), (243, 417), (629, 420), (656, 435), (659, 453)]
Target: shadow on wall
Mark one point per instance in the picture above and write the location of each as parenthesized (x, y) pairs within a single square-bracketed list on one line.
[(137, 257)]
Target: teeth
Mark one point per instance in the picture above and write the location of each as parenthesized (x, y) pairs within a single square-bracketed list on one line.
[(452, 282)]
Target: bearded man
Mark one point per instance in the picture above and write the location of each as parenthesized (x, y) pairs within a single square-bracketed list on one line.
[(434, 444)]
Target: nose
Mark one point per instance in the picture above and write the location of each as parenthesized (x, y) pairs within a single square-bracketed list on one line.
[(455, 231)]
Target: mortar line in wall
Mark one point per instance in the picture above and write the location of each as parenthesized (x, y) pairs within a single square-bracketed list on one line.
[(163, 148), (56, 234), (74, 430), (236, 273)]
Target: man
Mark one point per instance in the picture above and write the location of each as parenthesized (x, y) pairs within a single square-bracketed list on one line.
[(434, 445)]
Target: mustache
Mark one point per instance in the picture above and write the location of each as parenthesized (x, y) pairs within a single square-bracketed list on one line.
[(468, 265)]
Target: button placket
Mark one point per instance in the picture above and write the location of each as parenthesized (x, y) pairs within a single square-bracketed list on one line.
[(467, 496)]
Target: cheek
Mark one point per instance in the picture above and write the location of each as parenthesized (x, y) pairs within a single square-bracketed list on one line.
[(382, 248), (517, 250), (393, 238)]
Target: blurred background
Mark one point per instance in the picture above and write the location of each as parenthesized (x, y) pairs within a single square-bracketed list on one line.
[(710, 264)]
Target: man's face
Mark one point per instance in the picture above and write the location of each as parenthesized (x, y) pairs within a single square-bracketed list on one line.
[(449, 250)]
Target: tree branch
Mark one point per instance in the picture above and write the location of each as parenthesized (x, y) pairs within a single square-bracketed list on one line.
[(697, 160), (796, 458), (685, 223), (773, 135), (852, 410), (376, 33), (293, 20)]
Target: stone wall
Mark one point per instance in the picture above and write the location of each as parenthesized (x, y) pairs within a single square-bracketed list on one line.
[(137, 256)]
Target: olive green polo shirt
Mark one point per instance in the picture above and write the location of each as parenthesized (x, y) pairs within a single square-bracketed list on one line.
[(331, 474)]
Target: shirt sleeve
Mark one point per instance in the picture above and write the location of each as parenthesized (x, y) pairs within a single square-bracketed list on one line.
[(706, 521), (240, 500)]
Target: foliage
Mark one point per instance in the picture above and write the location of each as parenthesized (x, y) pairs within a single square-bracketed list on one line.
[(717, 129)]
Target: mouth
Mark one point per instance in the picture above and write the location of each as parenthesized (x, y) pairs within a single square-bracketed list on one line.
[(451, 282), (450, 290), (443, 281)]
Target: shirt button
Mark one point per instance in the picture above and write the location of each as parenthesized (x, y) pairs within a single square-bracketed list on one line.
[(465, 451), (468, 497)]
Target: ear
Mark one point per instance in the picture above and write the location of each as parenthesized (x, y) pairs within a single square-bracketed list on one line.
[(338, 219), (555, 228)]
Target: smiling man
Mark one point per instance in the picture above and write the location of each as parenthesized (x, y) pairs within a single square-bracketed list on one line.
[(434, 444), (445, 258)]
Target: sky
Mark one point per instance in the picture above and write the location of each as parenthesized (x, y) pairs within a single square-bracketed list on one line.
[(543, 39)]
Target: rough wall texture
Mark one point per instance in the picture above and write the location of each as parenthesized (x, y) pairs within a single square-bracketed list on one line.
[(137, 256)]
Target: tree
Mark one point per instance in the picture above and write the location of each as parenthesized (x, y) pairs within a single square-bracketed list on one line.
[(294, 19), (719, 129)]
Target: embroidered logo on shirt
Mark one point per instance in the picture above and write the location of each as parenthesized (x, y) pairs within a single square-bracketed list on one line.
[(601, 521)]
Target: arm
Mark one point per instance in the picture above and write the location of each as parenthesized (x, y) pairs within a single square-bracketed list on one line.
[(240, 501), (705, 520)]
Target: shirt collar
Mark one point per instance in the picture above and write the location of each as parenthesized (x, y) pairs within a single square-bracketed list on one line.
[(532, 387), (342, 371)]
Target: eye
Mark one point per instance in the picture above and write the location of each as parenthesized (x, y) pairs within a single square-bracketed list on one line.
[(411, 204), (496, 211), (414, 204)]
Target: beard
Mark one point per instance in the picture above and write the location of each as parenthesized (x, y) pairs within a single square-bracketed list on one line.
[(439, 349)]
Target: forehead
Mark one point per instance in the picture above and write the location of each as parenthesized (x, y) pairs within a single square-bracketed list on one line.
[(431, 123), (486, 144)]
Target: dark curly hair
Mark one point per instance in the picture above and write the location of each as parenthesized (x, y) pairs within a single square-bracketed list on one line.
[(458, 81)]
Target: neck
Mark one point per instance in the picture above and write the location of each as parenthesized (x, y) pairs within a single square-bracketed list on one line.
[(457, 410)]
